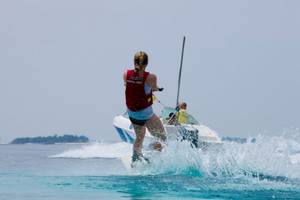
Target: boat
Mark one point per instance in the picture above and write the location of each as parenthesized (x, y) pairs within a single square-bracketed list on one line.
[(198, 134)]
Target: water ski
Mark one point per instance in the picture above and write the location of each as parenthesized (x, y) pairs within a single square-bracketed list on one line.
[(128, 164)]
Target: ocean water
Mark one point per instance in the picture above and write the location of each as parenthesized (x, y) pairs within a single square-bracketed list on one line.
[(266, 169)]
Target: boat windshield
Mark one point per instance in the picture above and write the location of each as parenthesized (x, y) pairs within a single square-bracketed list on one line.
[(168, 111)]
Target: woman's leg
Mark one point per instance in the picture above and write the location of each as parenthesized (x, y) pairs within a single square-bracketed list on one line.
[(138, 143), (156, 128)]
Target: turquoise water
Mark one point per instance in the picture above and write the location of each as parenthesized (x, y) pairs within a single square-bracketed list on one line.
[(267, 169)]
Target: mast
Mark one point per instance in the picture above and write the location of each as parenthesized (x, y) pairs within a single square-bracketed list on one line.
[(180, 69)]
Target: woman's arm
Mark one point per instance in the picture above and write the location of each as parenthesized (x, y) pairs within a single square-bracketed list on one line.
[(152, 82), (125, 77)]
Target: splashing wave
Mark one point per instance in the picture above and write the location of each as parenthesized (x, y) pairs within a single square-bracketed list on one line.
[(276, 157)]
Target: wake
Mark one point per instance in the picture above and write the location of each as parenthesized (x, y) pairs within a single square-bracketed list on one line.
[(97, 150), (268, 158)]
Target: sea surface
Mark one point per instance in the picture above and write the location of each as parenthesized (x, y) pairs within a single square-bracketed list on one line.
[(268, 168)]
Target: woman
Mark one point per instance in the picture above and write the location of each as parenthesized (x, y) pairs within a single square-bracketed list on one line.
[(139, 86)]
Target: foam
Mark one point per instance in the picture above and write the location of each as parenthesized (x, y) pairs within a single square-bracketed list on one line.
[(267, 157), (277, 156), (97, 150)]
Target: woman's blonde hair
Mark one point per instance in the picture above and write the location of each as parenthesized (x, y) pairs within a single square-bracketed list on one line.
[(140, 58)]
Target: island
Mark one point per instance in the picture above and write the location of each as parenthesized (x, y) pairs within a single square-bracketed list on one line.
[(51, 139)]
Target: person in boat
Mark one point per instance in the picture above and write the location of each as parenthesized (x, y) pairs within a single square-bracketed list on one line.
[(183, 118), (182, 115), (139, 87)]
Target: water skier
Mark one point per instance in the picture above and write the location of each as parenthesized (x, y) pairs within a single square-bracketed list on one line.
[(139, 87)]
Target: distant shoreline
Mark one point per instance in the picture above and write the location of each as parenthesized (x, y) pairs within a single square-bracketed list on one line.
[(65, 139), (74, 139)]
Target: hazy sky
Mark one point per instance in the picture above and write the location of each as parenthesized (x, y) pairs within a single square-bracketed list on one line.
[(61, 63)]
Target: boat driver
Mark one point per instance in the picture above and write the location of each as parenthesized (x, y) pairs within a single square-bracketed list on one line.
[(182, 115)]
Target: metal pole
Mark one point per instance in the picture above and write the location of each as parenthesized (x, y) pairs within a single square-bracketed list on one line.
[(179, 76)]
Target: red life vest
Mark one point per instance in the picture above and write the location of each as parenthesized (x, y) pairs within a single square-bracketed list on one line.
[(136, 98)]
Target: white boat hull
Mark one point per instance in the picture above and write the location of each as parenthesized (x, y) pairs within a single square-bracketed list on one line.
[(203, 134)]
